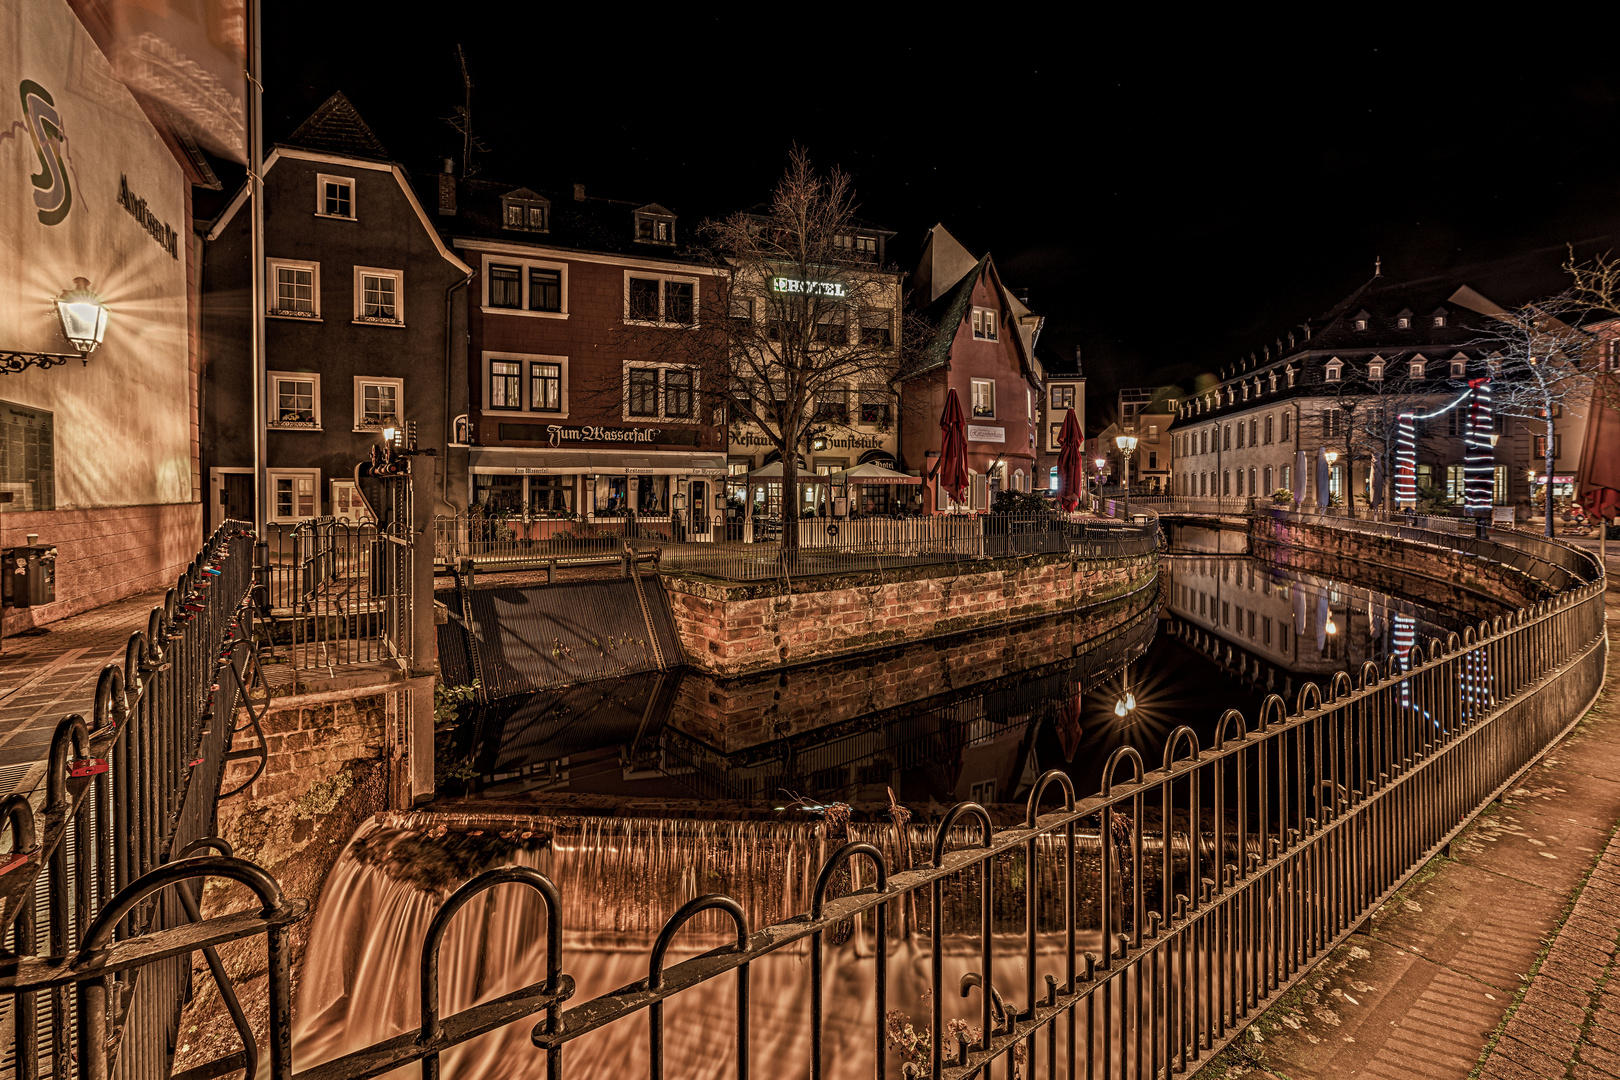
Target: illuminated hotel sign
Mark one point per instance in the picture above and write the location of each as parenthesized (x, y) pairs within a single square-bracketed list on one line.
[(808, 288)]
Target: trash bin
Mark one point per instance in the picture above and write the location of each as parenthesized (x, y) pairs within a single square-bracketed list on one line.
[(29, 575)]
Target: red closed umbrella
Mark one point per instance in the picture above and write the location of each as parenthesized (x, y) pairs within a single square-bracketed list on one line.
[(953, 473), (1597, 482), (1070, 467)]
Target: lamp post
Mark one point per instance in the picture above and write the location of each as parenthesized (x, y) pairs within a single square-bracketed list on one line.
[(1100, 463), (1127, 445)]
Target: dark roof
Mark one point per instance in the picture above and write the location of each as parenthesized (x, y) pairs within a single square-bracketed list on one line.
[(945, 314), (336, 128), (593, 223), (1382, 302)]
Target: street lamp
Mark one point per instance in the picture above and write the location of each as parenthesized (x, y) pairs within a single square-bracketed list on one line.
[(1331, 456), (84, 323), (1127, 445), (1100, 463)]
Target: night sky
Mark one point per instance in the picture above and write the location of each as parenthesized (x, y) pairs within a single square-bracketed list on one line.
[(1169, 202)]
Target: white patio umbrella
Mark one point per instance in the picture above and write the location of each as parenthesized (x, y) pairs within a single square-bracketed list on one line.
[(1321, 480), (1299, 477)]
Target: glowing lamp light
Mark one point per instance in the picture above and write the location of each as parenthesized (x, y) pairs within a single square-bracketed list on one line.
[(84, 317), (1494, 439), (390, 432), (1100, 462), (1332, 456), (1332, 627), (1119, 708), (1130, 701), (1125, 705), (1126, 443)]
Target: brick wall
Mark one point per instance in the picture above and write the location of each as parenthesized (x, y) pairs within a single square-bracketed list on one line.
[(105, 553), (307, 746), (1424, 573), (732, 714), (737, 629)]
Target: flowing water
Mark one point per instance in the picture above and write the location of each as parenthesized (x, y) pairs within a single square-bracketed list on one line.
[(757, 823)]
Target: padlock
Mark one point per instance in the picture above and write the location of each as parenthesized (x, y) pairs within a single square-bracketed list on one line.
[(88, 766)]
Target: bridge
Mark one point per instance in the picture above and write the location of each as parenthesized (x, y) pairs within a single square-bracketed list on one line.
[(1229, 869)]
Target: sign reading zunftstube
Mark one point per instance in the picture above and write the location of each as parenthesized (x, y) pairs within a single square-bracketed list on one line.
[(558, 434), (808, 288)]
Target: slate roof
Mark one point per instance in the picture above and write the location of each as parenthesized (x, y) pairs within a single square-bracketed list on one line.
[(1382, 302), (336, 128), (595, 224), (945, 315)]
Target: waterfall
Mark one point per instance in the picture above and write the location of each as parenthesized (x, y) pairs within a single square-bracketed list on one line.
[(620, 879)]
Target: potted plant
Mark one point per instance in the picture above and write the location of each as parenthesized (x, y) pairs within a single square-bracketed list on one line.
[(1282, 496)]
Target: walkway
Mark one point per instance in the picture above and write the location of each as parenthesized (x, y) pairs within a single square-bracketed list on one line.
[(1493, 962), (49, 672)]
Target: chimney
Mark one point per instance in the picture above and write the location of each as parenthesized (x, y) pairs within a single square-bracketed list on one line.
[(447, 188), (579, 192)]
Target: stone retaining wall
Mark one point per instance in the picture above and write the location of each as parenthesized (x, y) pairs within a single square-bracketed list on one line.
[(734, 629)]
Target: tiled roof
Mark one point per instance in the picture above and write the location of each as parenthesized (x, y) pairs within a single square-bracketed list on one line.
[(336, 128)]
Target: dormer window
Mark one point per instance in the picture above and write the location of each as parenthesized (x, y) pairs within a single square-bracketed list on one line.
[(1459, 367), (1333, 370), (1290, 374), (862, 247), (1273, 377), (1403, 321), (1245, 391), (1440, 318), (1416, 368), (1375, 369), (525, 210), (1361, 320), (655, 225)]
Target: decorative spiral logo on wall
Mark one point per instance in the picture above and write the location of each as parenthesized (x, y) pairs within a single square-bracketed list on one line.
[(53, 193)]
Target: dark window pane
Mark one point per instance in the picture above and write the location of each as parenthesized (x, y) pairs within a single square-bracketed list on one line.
[(678, 393), (644, 299), (545, 290), (678, 302), (643, 392), (505, 287)]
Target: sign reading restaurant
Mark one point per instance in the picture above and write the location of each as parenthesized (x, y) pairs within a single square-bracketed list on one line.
[(809, 288)]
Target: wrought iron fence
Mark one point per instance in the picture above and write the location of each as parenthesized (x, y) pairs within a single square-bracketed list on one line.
[(495, 540), (339, 593), (128, 789), (1230, 870)]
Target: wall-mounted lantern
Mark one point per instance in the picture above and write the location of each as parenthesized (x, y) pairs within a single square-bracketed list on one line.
[(84, 324)]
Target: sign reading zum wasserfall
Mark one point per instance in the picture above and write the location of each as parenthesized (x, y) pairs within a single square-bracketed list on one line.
[(809, 288)]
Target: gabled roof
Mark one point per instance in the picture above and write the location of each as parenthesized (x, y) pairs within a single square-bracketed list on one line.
[(336, 128), (525, 195), (589, 224), (654, 208), (949, 310)]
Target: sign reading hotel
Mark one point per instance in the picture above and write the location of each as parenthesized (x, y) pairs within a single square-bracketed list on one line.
[(979, 433), (808, 288)]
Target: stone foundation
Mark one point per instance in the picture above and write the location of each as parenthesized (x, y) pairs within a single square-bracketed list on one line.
[(735, 629)]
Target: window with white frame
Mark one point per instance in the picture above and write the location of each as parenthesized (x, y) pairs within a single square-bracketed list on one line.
[(1404, 322), (294, 494), (660, 299), (527, 383), (294, 289), (1375, 370), (531, 287), (1439, 318), (295, 400), (984, 399), (654, 391), (378, 402), (379, 296), (1062, 397), (984, 324), (1333, 370), (334, 196), (1416, 369), (1459, 367)]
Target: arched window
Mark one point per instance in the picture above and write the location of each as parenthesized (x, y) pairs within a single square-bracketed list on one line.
[(1252, 489), (1226, 482), (1333, 370)]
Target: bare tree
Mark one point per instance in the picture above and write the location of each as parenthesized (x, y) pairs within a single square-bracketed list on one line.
[(1361, 418), (1541, 363), (804, 322)]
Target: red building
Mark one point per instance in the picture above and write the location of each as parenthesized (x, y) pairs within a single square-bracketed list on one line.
[(567, 417), (983, 349)]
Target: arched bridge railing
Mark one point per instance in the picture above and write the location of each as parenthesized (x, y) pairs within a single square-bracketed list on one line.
[(1226, 873)]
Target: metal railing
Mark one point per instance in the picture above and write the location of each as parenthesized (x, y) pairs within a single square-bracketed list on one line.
[(1230, 870), (494, 540), (339, 593), (879, 544), (128, 790)]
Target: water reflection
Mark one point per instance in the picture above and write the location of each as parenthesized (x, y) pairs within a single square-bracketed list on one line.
[(917, 726)]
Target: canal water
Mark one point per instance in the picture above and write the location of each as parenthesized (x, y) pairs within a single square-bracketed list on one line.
[(637, 794)]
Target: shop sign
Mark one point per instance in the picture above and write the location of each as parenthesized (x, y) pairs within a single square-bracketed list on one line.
[(807, 288), (753, 437), (558, 434), (979, 433), (158, 230)]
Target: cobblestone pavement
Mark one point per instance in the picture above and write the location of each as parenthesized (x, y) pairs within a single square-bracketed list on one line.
[(49, 672), (1495, 962)]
